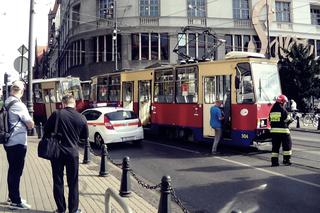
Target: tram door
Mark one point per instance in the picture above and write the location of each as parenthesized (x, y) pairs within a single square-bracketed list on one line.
[(216, 87), (144, 98), (49, 94), (127, 95)]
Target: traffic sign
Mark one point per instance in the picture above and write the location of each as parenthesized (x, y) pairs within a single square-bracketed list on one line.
[(23, 49), (21, 64)]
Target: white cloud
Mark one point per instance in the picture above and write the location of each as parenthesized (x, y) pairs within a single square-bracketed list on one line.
[(14, 21)]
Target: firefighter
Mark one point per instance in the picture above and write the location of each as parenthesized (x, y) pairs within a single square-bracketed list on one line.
[(280, 133)]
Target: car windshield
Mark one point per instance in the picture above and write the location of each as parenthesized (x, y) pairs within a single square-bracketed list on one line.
[(121, 115), (266, 82)]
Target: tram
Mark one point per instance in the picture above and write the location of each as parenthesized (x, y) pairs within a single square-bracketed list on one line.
[(105, 90), (175, 100), (86, 92), (47, 95)]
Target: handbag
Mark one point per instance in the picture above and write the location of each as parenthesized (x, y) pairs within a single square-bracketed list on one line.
[(49, 147)]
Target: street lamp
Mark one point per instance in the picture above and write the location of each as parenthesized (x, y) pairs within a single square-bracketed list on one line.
[(268, 31)]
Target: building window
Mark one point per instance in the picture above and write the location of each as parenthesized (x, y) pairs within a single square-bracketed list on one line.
[(105, 8), (102, 48), (283, 11), (144, 46), (75, 16), (237, 43), (315, 15), (229, 43), (246, 40), (150, 47), (149, 7), (196, 8), (240, 9)]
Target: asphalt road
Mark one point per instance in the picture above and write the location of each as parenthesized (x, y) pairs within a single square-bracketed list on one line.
[(235, 180)]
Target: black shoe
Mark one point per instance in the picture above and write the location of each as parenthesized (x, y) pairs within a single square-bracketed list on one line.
[(17, 206), (287, 163), (274, 161), (274, 164), (57, 211)]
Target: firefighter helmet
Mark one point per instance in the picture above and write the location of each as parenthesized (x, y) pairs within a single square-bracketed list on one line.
[(282, 99)]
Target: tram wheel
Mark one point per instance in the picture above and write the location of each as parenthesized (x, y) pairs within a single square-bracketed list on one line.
[(98, 140)]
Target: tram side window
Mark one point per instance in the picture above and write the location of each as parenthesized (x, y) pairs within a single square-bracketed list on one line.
[(49, 96), (102, 93), (37, 93), (163, 86), (114, 94), (244, 84), (186, 85)]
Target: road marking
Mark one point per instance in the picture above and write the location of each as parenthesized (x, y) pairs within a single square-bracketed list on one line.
[(270, 172), (304, 139), (241, 164), (178, 148)]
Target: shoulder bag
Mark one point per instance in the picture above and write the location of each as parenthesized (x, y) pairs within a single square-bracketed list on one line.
[(49, 147)]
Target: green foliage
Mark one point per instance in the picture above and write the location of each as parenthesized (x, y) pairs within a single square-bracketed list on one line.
[(298, 75)]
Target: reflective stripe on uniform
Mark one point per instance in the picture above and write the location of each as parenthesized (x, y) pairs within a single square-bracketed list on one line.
[(275, 116), (274, 154), (287, 152), (280, 130)]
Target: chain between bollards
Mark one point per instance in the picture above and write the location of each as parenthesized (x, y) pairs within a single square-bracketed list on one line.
[(125, 187), (86, 156), (103, 165)]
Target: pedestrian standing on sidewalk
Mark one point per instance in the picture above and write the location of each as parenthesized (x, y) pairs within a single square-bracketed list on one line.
[(72, 127), (16, 147), (216, 118), (280, 133)]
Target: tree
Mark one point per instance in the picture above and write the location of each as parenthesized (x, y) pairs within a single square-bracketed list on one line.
[(299, 75)]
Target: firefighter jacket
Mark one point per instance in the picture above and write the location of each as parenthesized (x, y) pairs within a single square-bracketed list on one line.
[(279, 119)]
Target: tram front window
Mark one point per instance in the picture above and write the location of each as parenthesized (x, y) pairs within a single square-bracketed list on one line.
[(266, 82), (244, 84)]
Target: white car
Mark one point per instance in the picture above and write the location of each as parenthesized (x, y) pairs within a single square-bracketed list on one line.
[(113, 125)]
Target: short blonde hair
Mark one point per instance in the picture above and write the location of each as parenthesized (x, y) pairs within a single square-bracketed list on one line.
[(17, 85)]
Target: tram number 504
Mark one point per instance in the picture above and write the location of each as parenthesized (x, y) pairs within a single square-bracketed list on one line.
[(244, 136)]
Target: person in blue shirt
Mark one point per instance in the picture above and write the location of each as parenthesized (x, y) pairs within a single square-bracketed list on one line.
[(216, 118)]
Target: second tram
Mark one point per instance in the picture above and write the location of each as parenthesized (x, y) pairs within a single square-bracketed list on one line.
[(47, 95)]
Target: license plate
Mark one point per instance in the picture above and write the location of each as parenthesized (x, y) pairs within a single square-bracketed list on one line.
[(127, 138)]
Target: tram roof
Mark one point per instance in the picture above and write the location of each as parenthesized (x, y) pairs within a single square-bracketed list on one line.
[(54, 79)]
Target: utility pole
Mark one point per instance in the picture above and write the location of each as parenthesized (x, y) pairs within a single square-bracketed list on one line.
[(30, 53), (115, 35), (268, 31)]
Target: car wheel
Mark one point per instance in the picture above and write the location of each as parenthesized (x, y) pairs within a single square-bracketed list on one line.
[(98, 140)]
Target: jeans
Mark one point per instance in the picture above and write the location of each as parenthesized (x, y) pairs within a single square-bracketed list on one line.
[(217, 138), (15, 155)]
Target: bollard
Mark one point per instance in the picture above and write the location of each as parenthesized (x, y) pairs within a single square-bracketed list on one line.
[(125, 187), (86, 156), (40, 133), (318, 128), (298, 122), (103, 165), (165, 197)]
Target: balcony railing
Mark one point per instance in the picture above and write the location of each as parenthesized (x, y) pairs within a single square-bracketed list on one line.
[(149, 21), (242, 23), (197, 21)]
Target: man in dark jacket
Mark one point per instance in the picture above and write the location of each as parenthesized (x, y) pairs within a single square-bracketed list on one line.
[(280, 133), (72, 127)]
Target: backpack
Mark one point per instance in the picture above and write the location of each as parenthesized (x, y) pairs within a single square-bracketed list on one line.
[(5, 130)]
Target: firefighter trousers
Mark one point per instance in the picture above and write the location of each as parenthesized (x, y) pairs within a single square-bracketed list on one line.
[(283, 139)]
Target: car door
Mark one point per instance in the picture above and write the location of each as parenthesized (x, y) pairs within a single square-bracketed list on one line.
[(92, 117)]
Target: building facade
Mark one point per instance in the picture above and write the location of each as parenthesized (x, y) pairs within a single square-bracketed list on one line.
[(93, 37)]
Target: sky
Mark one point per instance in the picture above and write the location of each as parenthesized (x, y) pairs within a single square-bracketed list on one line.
[(14, 22)]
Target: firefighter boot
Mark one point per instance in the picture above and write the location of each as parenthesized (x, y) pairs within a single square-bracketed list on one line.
[(274, 161), (286, 160)]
